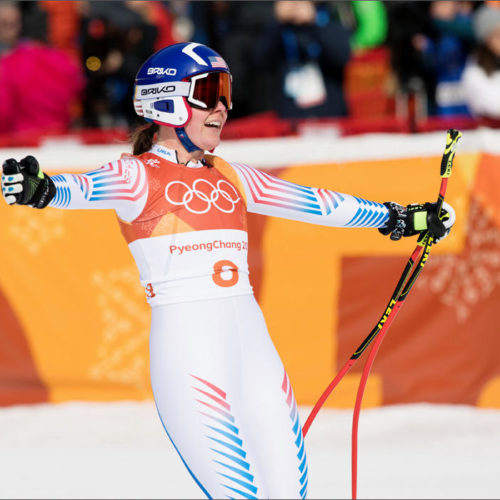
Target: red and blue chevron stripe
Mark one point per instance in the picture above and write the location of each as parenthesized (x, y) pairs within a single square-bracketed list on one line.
[(83, 184), (63, 192), (330, 199), (231, 458), (368, 214), (110, 182), (297, 430), (269, 190)]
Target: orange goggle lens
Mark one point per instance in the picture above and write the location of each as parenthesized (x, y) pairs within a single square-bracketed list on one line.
[(207, 89)]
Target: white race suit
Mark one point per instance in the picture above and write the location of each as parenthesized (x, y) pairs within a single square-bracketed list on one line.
[(221, 391)]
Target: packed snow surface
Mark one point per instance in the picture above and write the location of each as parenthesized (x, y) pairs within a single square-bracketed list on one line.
[(119, 450)]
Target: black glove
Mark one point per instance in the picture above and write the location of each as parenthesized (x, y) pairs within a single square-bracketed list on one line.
[(413, 219), (23, 183)]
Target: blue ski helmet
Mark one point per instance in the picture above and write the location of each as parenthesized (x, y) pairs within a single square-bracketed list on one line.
[(179, 77)]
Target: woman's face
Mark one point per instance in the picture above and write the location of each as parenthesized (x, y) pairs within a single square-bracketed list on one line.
[(493, 42), (206, 125)]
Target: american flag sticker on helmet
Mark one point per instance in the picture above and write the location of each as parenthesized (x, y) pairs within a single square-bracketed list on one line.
[(217, 62)]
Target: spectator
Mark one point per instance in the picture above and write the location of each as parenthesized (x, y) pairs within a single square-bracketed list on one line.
[(409, 21), (40, 85), (158, 14), (430, 43), (63, 25), (371, 25), (232, 28), (309, 48), (212, 21), (10, 25), (446, 51), (117, 37), (481, 77), (367, 22), (35, 22)]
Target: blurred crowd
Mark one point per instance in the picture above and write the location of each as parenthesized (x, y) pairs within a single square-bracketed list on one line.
[(71, 64)]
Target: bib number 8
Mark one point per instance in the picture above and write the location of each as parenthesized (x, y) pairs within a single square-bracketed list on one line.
[(225, 273)]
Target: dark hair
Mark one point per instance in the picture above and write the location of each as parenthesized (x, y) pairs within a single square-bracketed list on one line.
[(143, 138), (487, 60)]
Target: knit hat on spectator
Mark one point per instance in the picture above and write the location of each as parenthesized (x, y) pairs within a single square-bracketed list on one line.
[(486, 20)]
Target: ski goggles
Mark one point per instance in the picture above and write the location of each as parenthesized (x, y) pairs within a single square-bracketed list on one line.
[(208, 88)]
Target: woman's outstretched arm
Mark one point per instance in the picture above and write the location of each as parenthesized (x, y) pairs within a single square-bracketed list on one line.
[(120, 185), (269, 195)]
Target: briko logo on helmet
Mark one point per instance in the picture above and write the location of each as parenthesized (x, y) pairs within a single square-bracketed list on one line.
[(162, 71), (179, 77)]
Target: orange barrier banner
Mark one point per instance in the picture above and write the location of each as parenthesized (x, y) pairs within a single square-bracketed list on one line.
[(74, 321)]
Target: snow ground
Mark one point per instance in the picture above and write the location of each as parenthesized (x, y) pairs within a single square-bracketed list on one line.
[(119, 450)]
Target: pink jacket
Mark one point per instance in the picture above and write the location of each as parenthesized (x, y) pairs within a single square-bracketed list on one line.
[(38, 86)]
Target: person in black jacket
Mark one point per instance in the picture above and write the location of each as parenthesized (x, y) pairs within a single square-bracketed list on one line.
[(116, 38), (310, 48), (232, 29)]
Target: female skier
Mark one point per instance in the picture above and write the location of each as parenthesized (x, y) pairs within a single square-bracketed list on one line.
[(221, 391)]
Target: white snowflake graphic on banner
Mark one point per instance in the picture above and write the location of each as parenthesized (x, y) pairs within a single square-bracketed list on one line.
[(35, 230), (461, 281), (122, 354)]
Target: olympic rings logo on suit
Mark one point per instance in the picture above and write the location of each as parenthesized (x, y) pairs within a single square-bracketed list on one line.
[(218, 196)]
